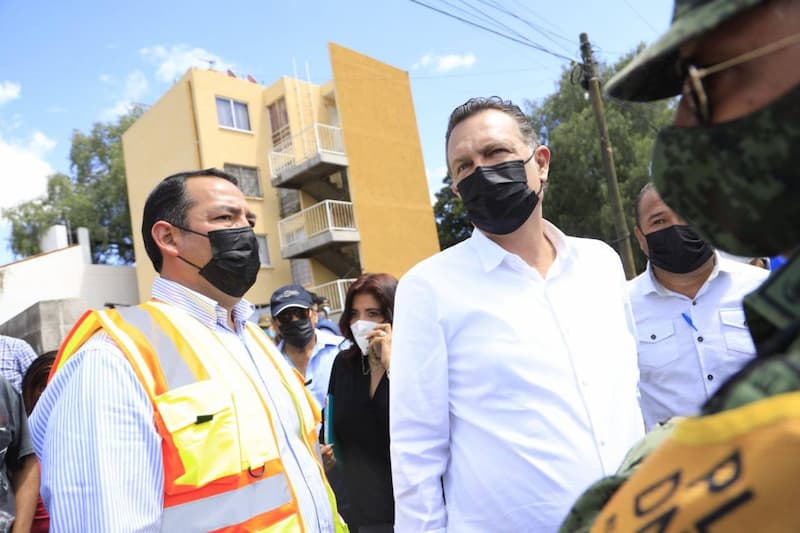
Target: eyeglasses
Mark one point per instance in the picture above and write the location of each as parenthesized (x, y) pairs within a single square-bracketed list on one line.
[(693, 86)]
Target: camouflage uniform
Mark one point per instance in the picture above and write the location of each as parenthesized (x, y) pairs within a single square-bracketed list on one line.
[(773, 314)]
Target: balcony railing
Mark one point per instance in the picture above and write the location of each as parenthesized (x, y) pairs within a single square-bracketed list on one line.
[(335, 292), (317, 226), (318, 140)]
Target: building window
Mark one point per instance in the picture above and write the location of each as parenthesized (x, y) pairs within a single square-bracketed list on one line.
[(232, 114), (263, 250), (248, 178), (279, 126)]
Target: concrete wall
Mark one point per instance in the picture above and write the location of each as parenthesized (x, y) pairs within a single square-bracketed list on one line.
[(388, 186), (50, 276), (45, 324), (64, 275)]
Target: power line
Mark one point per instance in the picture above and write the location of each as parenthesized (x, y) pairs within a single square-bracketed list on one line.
[(641, 17), (501, 25), (547, 34), (529, 44)]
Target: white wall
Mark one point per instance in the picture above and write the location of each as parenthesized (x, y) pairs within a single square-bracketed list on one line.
[(63, 274), (104, 284)]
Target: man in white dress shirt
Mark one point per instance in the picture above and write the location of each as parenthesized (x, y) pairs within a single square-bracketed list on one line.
[(688, 309), (514, 377)]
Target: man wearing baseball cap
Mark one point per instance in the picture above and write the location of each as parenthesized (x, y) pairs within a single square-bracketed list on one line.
[(309, 349), (729, 166)]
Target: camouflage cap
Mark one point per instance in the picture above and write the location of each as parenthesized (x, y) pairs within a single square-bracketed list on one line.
[(655, 73)]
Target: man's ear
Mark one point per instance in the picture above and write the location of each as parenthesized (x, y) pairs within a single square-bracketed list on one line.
[(542, 158), (642, 240), (166, 237)]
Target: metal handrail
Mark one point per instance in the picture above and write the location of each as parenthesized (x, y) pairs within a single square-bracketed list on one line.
[(327, 215), (335, 292), (319, 138)]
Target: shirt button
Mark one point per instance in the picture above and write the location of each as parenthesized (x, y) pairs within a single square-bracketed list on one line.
[(710, 377), (699, 339), (653, 336), (694, 302)]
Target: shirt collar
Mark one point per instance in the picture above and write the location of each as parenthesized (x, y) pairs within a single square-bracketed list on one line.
[(201, 307), (651, 284), (492, 254)]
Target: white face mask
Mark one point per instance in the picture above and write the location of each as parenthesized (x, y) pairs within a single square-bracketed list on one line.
[(361, 329)]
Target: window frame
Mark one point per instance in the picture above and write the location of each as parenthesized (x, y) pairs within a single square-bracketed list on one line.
[(264, 250), (231, 103), (232, 168)]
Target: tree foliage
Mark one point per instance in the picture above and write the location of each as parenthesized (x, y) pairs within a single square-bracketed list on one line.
[(452, 224), (577, 200), (93, 196)]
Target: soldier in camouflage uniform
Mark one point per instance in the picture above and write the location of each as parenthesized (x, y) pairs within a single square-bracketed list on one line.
[(730, 165)]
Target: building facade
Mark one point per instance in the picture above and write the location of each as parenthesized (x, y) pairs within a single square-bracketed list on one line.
[(334, 172)]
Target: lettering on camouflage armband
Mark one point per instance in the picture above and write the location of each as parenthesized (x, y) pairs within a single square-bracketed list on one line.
[(660, 503)]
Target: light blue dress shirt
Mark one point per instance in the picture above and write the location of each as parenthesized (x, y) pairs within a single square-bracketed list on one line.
[(318, 372), (93, 431)]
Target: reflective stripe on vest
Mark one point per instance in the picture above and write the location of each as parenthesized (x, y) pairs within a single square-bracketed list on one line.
[(232, 507)]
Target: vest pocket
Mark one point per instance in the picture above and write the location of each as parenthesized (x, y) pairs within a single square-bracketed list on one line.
[(202, 424)]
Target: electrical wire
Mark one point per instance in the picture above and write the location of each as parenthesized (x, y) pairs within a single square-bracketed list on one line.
[(547, 34), (641, 17), (527, 43)]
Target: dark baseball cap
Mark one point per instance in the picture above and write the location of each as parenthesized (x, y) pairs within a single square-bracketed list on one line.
[(289, 296), (655, 73)]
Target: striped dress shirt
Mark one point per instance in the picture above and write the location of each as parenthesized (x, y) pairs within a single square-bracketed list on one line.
[(16, 356), (102, 468)]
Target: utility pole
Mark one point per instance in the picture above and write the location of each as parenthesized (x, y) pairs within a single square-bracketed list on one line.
[(623, 240)]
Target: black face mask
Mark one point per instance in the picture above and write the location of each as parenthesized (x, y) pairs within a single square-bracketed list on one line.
[(297, 333), (234, 262), (497, 198), (678, 249)]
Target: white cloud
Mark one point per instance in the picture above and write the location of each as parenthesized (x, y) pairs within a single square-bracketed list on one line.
[(445, 63), (105, 78), (9, 91), (135, 87), (174, 61), (25, 170)]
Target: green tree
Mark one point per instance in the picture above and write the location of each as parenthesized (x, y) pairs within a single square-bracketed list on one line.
[(577, 201), (452, 224), (94, 196)]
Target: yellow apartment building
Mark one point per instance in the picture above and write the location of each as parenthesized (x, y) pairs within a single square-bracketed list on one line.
[(334, 172)]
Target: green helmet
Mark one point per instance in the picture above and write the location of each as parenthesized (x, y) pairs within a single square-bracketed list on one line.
[(655, 73)]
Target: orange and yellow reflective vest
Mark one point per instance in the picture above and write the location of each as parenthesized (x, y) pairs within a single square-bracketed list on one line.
[(222, 469)]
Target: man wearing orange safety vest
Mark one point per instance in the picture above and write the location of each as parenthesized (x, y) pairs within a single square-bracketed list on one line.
[(178, 414)]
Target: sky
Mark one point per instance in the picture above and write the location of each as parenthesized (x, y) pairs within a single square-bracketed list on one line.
[(66, 65)]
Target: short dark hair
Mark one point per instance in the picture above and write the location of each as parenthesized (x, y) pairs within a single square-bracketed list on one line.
[(473, 106), (35, 379), (382, 287), (639, 197), (168, 201)]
